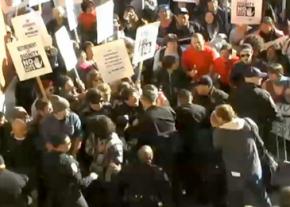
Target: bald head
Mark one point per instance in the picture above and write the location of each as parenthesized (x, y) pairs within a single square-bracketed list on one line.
[(145, 154), (197, 41)]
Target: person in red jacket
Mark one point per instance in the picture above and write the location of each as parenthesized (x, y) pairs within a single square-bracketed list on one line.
[(224, 64), (198, 59)]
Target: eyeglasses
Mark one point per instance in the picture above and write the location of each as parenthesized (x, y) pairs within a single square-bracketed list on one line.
[(245, 55)]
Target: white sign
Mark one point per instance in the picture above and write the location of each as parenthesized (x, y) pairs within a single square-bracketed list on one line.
[(2, 47), (145, 44), (62, 2), (113, 61), (36, 2), (105, 15), (282, 128), (31, 25), (10, 5), (29, 58), (188, 1), (70, 13), (66, 49), (246, 11)]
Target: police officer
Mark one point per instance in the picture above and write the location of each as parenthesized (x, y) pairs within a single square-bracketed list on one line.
[(11, 187), (144, 184), (62, 175)]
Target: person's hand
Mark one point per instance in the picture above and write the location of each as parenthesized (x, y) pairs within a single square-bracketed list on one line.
[(94, 175), (114, 168)]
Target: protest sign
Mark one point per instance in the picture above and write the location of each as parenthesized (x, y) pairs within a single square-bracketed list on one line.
[(282, 128), (29, 58), (113, 61), (66, 49), (36, 2), (105, 27), (246, 11), (31, 25), (10, 5), (62, 2), (145, 44), (2, 47), (188, 1), (70, 13)]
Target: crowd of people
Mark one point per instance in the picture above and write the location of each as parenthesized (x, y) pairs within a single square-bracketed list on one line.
[(193, 130)]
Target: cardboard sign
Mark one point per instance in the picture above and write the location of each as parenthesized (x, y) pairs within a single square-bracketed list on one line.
[(70, 13), (29, 58), (62, 2), (31, 25), (188, 1), (113, 61), (105, 27), (66, 49), (10, 5), (2, 47), (145, 44), (36, 2), (246, 11)]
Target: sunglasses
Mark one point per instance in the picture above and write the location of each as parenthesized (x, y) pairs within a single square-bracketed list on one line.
[(245, 55)]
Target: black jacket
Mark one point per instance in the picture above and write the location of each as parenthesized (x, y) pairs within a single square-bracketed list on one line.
[(11, 189), (251, 101), (213, 99)]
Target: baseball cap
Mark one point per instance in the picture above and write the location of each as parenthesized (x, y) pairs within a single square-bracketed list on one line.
[(204, 80), (267, 20), (181, 11), (254, 72), (163, 7)]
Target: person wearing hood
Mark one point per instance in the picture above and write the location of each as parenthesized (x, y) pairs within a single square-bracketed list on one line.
[(234, 138)]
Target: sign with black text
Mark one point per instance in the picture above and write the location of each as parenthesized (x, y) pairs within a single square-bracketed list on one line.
[(29, 58), (31, 25), (145, 44), (113, 61), (246, 11)]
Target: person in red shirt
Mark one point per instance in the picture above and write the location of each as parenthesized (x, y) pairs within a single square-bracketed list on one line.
[(87, 21), (224, 64), (198, 59)]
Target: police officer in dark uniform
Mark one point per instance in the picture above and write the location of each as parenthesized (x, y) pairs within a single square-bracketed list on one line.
[(249, 100), (144, 184), (11, 187), (62, 175)]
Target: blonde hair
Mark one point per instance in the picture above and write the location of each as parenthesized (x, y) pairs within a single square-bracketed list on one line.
[(225, 112)]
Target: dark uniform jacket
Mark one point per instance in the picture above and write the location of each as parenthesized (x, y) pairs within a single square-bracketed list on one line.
[(63, 179), (11, 189), (156, 121), (215, 98), (145, 185), (251, 101)]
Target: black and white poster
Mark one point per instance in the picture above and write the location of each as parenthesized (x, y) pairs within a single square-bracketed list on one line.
[(29, 58), (246, 11), (145, 44)]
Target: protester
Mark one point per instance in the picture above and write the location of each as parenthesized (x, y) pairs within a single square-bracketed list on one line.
[(198, 59), (236, 141), (189, 66)]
